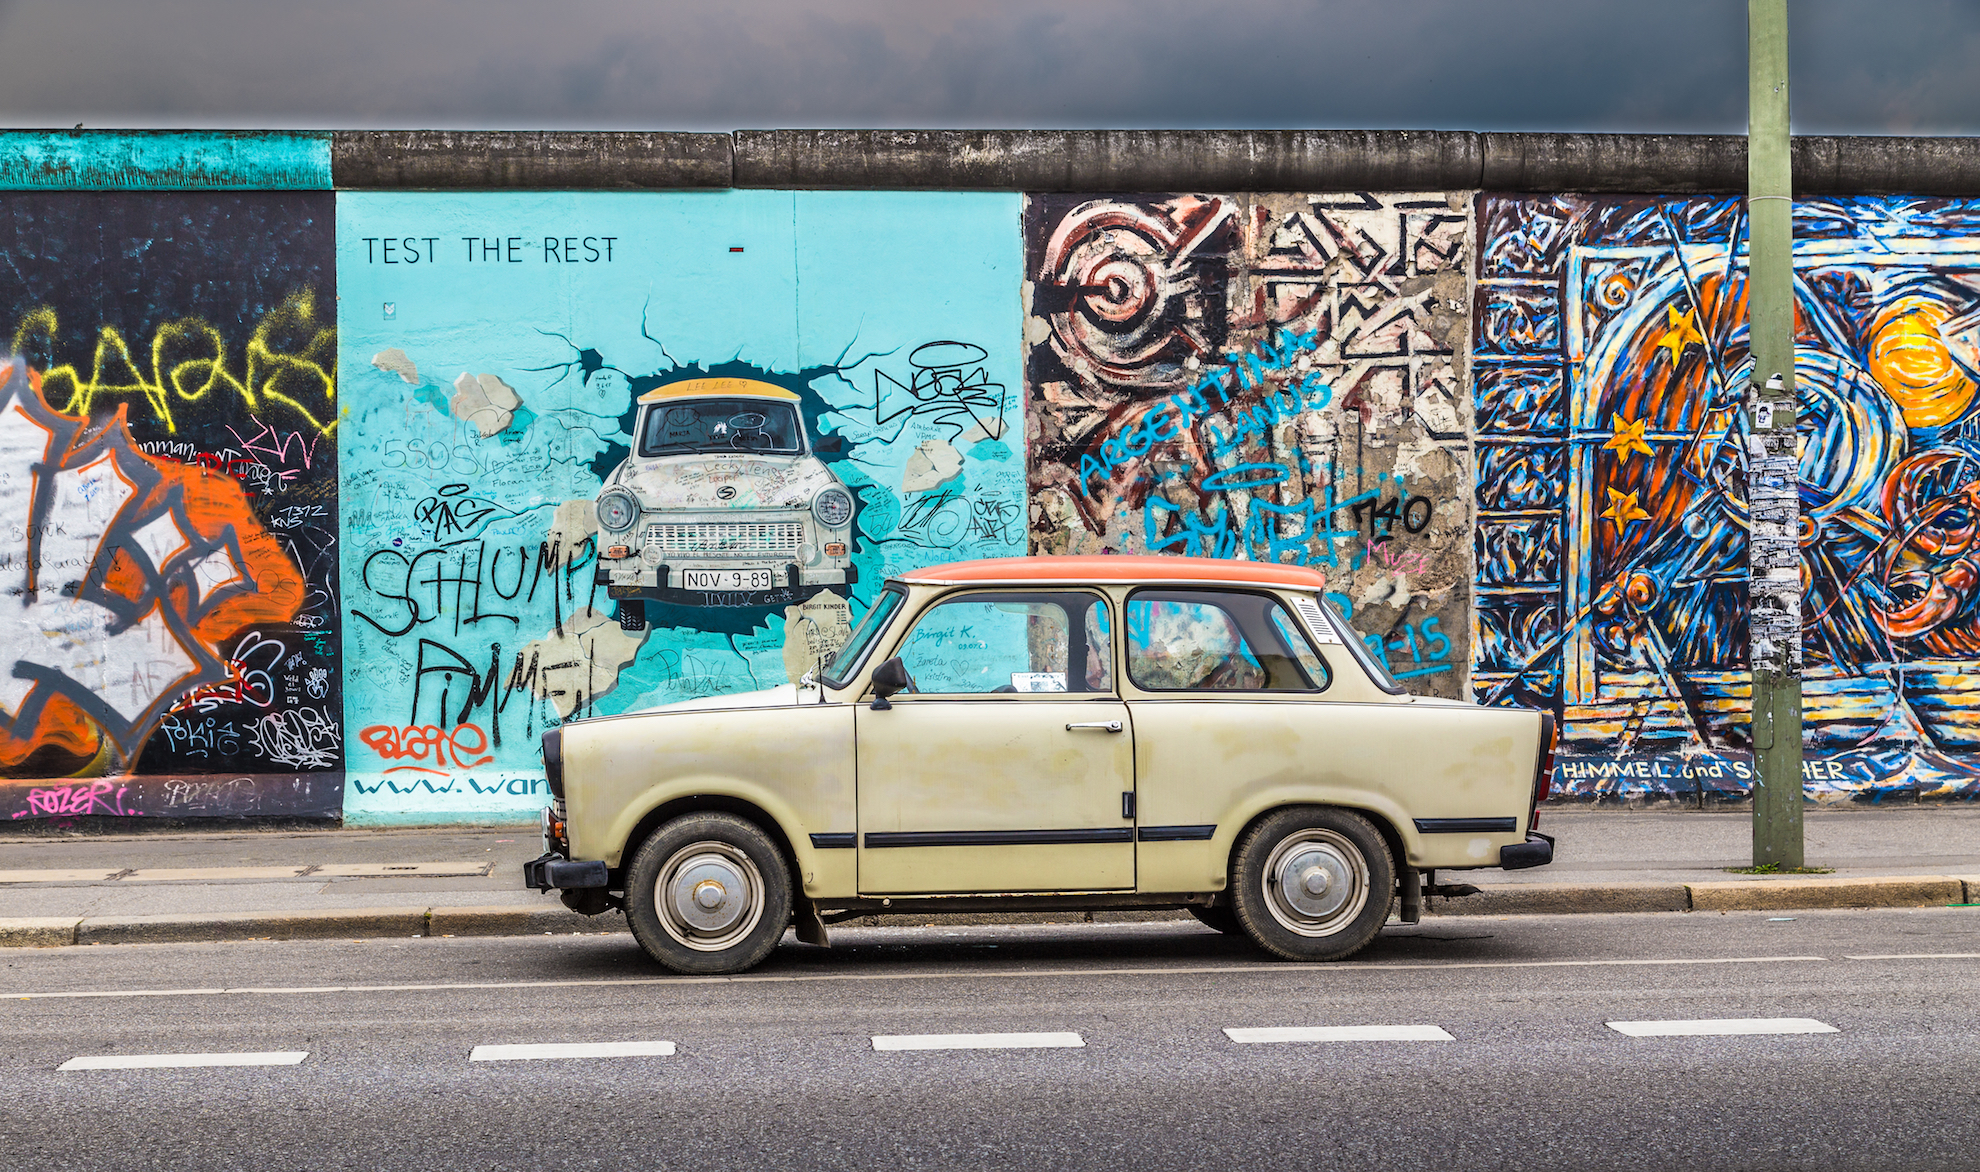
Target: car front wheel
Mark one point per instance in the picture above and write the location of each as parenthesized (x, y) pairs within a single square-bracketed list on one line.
[(708, 893), (1312, 883)]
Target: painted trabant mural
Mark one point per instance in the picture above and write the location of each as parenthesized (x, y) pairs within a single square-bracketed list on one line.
[(723, 493), (1049, 733)]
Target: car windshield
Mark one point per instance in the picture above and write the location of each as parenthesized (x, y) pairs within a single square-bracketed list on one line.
[(721, 425), (847, 660)]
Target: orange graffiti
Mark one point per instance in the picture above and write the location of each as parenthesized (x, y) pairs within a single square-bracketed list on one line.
[(131, 571), (450, 748)]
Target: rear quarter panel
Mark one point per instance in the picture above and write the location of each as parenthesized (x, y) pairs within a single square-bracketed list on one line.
[(795, 763), (1203, 762)]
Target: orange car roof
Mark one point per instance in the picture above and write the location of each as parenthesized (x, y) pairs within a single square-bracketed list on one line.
[(696, 388), (1118, 568)]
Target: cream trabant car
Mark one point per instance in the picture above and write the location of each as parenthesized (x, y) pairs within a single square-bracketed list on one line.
[(1049, 734)]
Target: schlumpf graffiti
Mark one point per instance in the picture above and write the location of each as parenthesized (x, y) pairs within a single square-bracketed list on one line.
[(583, 484)]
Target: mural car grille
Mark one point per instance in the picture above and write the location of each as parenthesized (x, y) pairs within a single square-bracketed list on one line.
[(727, 538)]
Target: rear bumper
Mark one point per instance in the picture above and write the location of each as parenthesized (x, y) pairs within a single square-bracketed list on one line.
[(1536, 851)]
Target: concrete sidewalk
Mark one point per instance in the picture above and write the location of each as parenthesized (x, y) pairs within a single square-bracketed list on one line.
[(462, 881)]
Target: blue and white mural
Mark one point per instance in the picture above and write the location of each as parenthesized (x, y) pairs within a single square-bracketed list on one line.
[(1609, 368)]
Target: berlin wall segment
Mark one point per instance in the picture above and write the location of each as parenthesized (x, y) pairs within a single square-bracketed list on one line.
[(1272, 377), (1609, 364), (168, 479), (1497, 422), (496, 372)]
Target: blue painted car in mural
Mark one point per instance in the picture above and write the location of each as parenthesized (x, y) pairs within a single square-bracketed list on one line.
[(723, 502)]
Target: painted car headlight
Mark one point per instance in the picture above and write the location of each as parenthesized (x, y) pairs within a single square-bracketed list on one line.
[(617, 510), (833, 508)]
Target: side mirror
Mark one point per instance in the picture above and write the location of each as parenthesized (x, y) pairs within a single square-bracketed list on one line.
[(888, 678), (830, 445)]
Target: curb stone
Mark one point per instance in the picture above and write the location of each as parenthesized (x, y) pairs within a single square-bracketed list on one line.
[(1557, 898), (303, 925), (1789, 894), (1786, 893), (39, 931), (517, 921)]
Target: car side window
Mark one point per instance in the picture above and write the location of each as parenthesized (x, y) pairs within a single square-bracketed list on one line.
[(1007, 642), (1216, 641), (1301, 647)]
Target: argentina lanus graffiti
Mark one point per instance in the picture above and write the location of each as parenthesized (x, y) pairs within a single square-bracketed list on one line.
[(612, 451), (1275, 378), (169, 640), (1610, 361)]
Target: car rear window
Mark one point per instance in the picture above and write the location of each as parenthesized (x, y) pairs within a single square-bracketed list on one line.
[(1216, 641)]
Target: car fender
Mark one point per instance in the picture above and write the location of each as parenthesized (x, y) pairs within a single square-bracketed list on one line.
[(786, 823)]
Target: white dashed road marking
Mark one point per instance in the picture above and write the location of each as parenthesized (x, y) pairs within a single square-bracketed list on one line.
[(1361, 1033), (975, 1041), (572, 1050), (161, 1061), (1722, 1027)]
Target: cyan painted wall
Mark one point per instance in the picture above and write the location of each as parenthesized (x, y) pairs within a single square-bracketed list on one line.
[(493, 346)]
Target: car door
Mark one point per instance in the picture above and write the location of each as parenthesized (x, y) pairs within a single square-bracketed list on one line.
[(1228, 694), (1009, 764)]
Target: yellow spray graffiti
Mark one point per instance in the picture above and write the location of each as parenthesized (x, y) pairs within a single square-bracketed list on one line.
[(189, 359)]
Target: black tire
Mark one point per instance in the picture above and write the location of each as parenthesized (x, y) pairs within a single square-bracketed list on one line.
[(632, 614), (717, 856), (1221, 918), (1339, 852)]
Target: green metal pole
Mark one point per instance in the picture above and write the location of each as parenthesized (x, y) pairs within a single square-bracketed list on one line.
[(1773, 549)]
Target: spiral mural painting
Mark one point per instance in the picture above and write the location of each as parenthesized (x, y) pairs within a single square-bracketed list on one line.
[(1610, 358), (1267, 377)]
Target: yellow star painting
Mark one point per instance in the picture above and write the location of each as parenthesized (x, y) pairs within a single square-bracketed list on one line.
[(1682, 332), (1628, 438), (1623, 509)]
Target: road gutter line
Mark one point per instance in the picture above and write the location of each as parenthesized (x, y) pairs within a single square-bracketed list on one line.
[(808, 978)]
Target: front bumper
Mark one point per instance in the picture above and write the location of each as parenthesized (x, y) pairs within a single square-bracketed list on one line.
[(553, 872)]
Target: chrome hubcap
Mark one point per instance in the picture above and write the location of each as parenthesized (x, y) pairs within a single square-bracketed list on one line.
[(709, 896), (1316, 882)]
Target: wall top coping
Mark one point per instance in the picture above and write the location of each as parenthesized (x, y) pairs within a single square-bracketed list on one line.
[(967, 160)]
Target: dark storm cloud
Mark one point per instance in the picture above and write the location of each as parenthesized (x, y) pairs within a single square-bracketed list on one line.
[(1676, 65)]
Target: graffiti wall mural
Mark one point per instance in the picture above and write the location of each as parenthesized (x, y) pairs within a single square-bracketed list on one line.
[(1609, 366), (1276, 378), (607, 451), (168, 482), (324, 505)]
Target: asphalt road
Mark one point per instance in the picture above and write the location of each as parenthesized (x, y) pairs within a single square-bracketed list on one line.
[(778, 1068)]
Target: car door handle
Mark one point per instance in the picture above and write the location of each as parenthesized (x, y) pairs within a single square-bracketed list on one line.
[(1101, 725)]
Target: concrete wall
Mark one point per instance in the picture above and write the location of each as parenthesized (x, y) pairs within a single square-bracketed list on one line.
[(271, 557)]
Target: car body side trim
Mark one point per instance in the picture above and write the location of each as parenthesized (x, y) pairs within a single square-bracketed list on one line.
[(896, 838), (1466, 825), (1177, 833), (827, 842)]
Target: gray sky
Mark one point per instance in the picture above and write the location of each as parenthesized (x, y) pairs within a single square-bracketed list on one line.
[(1860, 66)]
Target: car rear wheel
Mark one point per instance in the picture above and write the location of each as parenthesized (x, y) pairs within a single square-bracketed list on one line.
[(708, 893), (1312, 883)]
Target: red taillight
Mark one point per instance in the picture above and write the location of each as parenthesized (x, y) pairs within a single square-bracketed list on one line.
[(1543, 779)]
